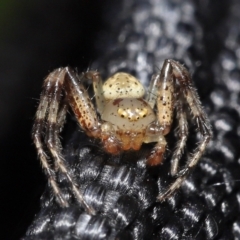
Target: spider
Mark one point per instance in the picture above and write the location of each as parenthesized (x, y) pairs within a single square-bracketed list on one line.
[(124, 121)]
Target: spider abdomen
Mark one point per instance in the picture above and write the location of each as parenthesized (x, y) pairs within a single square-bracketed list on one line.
[(122, 85)]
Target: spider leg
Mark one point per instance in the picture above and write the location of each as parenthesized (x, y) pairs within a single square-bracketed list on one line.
[(50, 103), (182, 133), (161, 92), (151, 97), (157, 154), (81, 104), (97, 87), (62, 115), (53, 141), (38, 128), (182, 76)]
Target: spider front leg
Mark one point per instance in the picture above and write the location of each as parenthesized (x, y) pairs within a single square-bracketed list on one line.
[(161, 92), (182, 77), (49, 111)]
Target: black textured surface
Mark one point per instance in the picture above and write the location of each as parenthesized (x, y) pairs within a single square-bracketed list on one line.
[(137, 36)]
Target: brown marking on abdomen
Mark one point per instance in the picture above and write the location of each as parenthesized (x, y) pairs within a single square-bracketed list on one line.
[(117, 101)]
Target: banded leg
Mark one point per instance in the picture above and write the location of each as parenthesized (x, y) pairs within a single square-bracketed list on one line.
[(182, 133), (182, 77), (37, 131), (49, 108), (61, 117)]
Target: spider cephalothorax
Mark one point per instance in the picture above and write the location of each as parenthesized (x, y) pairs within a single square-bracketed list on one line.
[(127, 118)]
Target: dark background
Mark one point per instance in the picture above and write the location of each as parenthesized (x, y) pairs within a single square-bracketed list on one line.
[(35, 38)]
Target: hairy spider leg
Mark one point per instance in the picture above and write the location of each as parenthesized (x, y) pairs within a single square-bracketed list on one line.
[(182, 76), (38, 128), (161, 93), (53, 85), (182, 132), (61, 118)]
